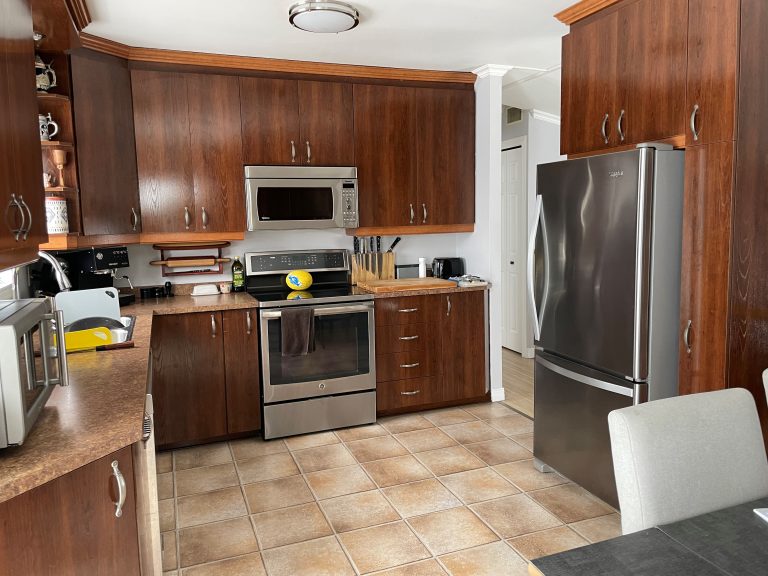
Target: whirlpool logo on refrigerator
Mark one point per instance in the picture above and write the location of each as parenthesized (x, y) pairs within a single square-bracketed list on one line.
[(616, 173)]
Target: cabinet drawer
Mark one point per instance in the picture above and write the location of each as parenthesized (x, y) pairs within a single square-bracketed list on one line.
[(405, 310), (402, 338), (404, 365), (407, 393)]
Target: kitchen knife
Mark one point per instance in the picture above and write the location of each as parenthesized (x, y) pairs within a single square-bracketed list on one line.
[(395, 243)]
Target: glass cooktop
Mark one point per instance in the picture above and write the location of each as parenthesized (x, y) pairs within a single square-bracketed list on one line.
[(320, 295)]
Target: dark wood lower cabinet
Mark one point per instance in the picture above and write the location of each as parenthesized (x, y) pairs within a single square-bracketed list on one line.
[(68, 526), (205, 376), (439, 360)]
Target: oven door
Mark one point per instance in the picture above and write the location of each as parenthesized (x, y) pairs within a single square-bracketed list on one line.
[(292, 203), (343, 361)]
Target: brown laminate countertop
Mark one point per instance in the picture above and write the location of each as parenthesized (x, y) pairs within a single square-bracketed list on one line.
[(102, 409)]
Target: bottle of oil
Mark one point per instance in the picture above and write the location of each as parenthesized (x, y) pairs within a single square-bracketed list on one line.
[(238, 275)]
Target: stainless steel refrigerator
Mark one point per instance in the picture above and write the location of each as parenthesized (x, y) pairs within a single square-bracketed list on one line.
[(604, 297)]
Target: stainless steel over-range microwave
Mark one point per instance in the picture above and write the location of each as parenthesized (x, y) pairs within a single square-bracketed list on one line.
[(296, 197)]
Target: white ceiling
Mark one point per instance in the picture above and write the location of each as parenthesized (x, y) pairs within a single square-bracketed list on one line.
[(428, 34)]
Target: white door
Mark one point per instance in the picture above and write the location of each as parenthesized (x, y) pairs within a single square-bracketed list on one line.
[(513, 232)]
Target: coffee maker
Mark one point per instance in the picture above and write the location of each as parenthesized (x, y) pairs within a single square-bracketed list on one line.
[(97, 268)]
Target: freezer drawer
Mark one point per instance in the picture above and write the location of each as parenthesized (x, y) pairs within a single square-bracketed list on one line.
[(572, 403)]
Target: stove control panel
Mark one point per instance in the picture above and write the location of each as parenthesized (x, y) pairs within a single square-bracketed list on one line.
[(262, 263)]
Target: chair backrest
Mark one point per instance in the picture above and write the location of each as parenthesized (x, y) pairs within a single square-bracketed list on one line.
[(681, 457)]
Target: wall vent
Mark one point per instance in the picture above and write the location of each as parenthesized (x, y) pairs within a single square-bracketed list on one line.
[(514, 115)]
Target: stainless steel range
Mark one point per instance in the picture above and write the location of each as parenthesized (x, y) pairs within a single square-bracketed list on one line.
[(332, 382)]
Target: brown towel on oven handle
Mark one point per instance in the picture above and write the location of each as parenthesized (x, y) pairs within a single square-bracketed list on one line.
[(297, 327)]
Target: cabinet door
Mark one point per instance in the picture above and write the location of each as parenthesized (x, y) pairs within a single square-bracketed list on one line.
[(216, 146), (68, 526), (445, 128), (161, 123), (706, 260), (20, 155), (243, 376), (385, 152), (270, 121), (326, 117), (188, 378), (106, 148), (568, 120), (713, 59), (463, 331), (592, 78), (651, 73)]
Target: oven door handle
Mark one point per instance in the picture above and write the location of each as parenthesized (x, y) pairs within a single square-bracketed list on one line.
[(325, 311)]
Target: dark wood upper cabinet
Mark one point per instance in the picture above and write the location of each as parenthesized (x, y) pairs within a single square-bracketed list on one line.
[(163, 152), (591, 114), (713, 63), (106, 149), (385, 154), (463, 327), (270, 121), (651, 71), (21, 191), (188, 378), (445, 128), (705, 265), (68, 525), (216, 152), (568, 122), (241, 354), (326, 118)]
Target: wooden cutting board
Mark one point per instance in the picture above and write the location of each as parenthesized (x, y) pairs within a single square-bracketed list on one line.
[(405, 284)]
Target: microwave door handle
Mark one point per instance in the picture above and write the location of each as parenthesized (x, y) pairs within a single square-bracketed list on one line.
[(45, 352)]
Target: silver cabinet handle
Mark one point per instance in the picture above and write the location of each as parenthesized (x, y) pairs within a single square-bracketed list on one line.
[(450, 306), (204, 217), (293, 152), (248, 322), (411, 393), (121, 491), (309, 153), (213, 326), (17, 232), (694, 113), (187, 218), (413, 215), (408, 310), (424, 207), (414, 365), (28, 226), (618, 126), (604, 127), (61, 349), (686, 337), (416, 337), (134, 219)]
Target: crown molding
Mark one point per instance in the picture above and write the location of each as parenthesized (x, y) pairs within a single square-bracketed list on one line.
[(78, 11), (582, 9), (226, 61), (491, 70), (545, 116)]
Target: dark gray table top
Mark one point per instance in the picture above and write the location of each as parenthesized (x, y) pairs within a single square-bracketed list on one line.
[(726, 542)]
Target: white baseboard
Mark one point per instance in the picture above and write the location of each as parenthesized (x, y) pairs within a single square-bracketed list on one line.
[(497, 394)]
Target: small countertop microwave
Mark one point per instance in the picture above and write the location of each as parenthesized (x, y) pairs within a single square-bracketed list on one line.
[(298, 197)]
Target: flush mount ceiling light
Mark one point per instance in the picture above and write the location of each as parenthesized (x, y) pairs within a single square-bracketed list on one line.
[(323, 17)]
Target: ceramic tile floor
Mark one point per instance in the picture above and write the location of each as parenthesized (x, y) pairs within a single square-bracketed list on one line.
[(450, 491)]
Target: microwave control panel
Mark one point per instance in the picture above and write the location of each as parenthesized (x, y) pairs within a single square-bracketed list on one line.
[(349, 203)]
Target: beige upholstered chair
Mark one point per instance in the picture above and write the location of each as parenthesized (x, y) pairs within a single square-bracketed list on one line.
[(681, 457)]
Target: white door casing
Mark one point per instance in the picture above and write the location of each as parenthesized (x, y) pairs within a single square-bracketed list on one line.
[(513, 232)]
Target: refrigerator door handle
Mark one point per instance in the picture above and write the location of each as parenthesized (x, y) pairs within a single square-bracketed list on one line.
[(530, 274), (594, 382)]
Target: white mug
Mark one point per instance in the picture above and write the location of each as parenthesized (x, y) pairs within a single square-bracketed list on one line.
[(45, 123)]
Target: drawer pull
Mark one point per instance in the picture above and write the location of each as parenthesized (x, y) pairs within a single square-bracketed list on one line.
[(412, 393), (416, 337), (414, 365), (408, 310)]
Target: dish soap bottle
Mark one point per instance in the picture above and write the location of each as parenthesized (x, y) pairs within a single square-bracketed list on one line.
[(238, 275)]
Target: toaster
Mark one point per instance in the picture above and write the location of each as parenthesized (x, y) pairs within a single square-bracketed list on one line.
[(448, 267)]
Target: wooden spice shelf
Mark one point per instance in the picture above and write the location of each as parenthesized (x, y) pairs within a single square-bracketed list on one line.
[(53, 97), (61, 241), (57, 144)]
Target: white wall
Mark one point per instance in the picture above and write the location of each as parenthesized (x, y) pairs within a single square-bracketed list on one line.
[(516, 129), (408, 251)]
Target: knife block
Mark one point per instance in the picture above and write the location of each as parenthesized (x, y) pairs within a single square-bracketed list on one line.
[(373, 266)]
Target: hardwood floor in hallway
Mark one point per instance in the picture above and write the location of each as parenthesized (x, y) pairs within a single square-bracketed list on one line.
[(517, 376)]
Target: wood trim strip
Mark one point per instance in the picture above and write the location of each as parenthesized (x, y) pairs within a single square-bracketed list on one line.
[(186, 237), (677, 142), (582, 9), (410, 230), (226, 61), (78, 11)]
